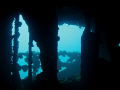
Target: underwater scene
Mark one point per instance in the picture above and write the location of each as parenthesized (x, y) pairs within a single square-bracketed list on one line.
[(69, 53)]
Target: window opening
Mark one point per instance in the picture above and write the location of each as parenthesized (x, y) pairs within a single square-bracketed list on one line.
[(69, 50)]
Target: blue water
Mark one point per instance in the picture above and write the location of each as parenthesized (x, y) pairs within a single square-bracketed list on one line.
[(70, 41)]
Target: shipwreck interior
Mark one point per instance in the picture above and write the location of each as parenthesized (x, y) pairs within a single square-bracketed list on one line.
[(95, 63)]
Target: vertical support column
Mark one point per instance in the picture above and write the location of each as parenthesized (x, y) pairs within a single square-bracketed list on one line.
[(16, 76), (48, 50), (15, 47), (89, 55), (30, 60)]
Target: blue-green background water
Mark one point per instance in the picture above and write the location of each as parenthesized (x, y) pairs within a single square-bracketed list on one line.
[(70, 41)]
